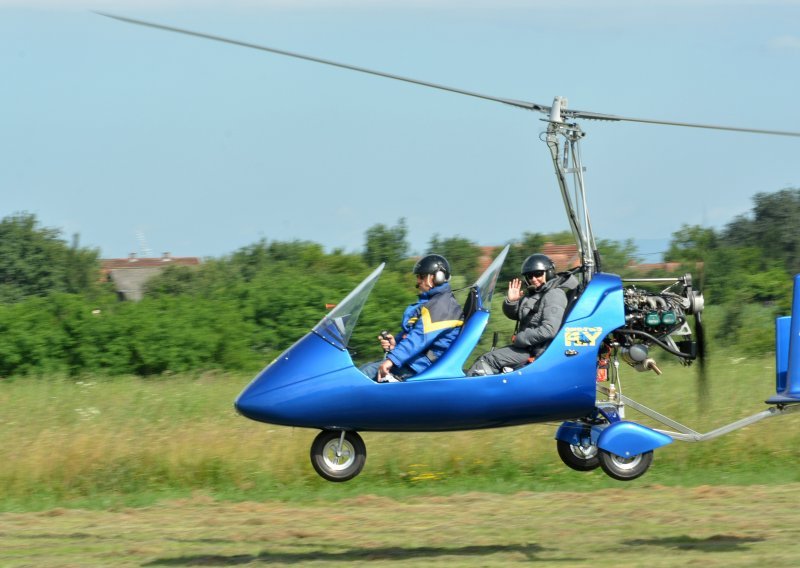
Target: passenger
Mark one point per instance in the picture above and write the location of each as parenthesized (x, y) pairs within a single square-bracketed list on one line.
[(539, 311), (429, 325)]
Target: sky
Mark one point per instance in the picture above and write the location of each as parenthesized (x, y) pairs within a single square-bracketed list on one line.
[(143, 141)]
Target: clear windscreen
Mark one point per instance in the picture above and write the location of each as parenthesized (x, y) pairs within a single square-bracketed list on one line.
[(338, 325), (488, 280)]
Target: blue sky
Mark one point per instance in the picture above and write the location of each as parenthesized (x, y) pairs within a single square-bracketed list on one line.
[(139, 139)]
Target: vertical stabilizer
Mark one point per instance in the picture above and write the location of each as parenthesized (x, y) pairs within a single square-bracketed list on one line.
[(787, 353)]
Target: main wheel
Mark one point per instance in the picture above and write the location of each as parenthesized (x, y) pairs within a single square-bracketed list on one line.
[(580, 458), (337, 461), (625, 469)]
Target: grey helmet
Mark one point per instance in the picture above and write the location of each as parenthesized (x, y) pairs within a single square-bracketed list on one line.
[(538, 261), (434, 264)]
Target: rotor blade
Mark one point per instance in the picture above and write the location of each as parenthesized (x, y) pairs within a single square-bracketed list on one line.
[(598, 116), (521, 104), (513, 102)]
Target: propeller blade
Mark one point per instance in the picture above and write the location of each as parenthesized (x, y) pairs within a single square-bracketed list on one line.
[(701, 336), (546, 109), (702, 378), (521, 104)]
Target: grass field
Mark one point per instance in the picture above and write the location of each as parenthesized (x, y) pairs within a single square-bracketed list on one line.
[(647, 525), (162, 472), (125, 442)]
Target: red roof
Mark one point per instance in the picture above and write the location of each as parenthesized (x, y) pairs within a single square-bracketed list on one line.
[(132, 262), (564, 256)]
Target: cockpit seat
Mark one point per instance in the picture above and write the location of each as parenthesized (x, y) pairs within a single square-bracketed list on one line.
[(451, 363)]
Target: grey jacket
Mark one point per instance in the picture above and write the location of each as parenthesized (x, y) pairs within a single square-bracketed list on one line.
[(540, 314)]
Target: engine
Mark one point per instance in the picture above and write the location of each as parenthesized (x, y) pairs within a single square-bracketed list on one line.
[(660, 319)]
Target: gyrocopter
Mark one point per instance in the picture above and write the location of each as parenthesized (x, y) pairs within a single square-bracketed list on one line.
[(576, 381)]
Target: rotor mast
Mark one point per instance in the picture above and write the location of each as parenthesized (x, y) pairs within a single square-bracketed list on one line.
[(563, 140)]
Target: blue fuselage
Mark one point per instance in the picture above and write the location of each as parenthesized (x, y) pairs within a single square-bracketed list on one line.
[(315, 384)]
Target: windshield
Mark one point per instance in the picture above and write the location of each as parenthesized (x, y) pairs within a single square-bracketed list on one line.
[(337, 327), (488, 279)]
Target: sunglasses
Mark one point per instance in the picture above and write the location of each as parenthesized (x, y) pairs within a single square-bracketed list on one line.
[(535, 274)]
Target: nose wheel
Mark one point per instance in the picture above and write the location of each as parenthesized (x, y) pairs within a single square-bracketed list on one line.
[(338, 455), (582, 457)]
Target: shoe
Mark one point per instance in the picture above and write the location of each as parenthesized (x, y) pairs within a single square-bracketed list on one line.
[(389, 379)]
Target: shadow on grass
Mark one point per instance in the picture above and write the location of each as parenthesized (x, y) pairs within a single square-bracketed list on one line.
[(387, 553), (715, 543)]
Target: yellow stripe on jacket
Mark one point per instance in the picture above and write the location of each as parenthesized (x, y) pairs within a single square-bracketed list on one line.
[(428, 326)]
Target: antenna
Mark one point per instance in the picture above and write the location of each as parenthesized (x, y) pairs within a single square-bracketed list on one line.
[(143, 248)]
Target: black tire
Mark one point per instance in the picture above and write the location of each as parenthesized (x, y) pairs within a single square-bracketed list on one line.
[(579, 458), (625, 469), (344, 466)]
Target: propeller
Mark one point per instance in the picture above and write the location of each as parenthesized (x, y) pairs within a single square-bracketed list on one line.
[(557, 111), (694, 304), (700, 337)]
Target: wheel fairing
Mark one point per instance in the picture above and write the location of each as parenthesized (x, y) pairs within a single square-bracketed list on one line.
[(628, 439)]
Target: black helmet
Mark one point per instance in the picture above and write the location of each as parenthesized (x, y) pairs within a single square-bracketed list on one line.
[(434, 264), (538, 261)]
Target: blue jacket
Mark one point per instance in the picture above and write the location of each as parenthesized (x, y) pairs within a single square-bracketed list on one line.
[(429, 327)]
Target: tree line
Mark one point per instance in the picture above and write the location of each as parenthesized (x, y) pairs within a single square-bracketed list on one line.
[(240, 311)]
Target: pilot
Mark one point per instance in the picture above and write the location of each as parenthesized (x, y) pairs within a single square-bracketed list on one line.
[(429, 325), (538, 310)]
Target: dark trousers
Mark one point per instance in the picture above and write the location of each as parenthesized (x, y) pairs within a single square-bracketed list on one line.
[(493, 362)]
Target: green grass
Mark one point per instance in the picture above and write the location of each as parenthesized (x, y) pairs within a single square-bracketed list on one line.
[(100, 443), (651, 526)]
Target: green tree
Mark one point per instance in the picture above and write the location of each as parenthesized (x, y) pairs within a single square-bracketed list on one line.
[(617, 256), (387, 244), (771, 227), (746, 268), (176, 281), (529, 244), (36, 261), (81, 266), (691, 244), (462, 254), (179, 334), (519, 251), (30, 338)]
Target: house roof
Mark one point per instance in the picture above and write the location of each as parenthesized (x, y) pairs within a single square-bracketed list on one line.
[(130, 275), (564, 256), (134, 262)]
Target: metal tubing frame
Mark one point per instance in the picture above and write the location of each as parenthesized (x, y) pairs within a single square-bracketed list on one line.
[(569, 162), (686, 434), (656, 280)]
